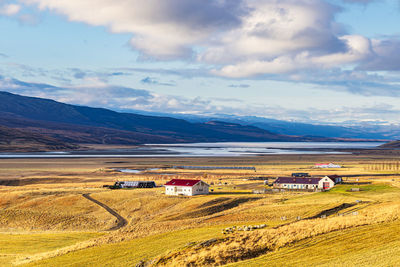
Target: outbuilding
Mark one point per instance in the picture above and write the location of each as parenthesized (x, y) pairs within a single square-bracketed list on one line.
[(300, 174), (186, 187), (327, 165), (335, 178), (295, 183), (135, 184)]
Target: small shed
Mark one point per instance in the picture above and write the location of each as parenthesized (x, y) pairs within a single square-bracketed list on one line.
[(186, 187)]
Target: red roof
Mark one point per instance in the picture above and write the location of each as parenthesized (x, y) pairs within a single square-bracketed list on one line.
[(182, 182)]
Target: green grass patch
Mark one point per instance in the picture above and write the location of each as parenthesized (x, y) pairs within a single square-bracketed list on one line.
[(128, 253), (16, 245), (378, 187), (373, 245)]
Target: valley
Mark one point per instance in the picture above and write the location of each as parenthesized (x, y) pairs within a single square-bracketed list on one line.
[(47, 200)]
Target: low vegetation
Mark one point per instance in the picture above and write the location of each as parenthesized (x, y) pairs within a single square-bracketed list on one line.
[(21, 246), (185, 231)]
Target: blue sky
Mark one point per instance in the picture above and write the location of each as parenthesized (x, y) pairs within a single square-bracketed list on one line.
[(308, 60)]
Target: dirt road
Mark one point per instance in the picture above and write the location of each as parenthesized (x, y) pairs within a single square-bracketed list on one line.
[(121, 221)]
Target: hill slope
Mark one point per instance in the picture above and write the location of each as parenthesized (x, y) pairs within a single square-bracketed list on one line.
[(13, 140), (362, 131), (79, 124), (391, 145)]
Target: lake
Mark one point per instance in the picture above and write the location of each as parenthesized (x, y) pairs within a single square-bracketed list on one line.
[(223, 149)]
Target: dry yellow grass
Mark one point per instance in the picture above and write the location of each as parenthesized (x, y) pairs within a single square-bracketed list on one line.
[(50, 202), (250, 245), (17, 247), (371, 245)]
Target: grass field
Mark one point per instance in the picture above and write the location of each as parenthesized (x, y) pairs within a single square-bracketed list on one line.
[(45, 220), (21, 246), (373, 245)]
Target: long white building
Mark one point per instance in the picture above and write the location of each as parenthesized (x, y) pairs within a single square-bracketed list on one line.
[(296, 183)]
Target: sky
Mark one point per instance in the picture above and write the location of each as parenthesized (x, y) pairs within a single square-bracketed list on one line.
[(318, 61)]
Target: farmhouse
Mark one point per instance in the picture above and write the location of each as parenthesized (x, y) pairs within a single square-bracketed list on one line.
[(335, 178), (186, 187), (294, 183), (327, 165)]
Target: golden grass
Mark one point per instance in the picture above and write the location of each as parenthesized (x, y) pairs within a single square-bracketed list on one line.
[(371, 245), (128, 253), (39, 210), (158, 223), (14, 247), (250, 245)]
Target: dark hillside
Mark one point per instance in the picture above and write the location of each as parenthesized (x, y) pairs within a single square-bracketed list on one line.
[(391, 145), (13, 140), (80, 125)]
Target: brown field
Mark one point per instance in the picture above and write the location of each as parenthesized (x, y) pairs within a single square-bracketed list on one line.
[(41, 200)]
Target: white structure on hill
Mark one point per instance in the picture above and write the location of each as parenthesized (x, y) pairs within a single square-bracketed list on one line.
[(295, 183), (186, 187), (327, 165)]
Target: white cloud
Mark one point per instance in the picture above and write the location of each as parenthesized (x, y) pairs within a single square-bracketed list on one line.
[(386, 56), (9, 9), (362, 2), (235, 38), (275, 28), (358, 49), (162, 29)]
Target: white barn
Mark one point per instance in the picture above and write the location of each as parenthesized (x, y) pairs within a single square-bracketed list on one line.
[(186, 187), (335, 178), (295, 183)]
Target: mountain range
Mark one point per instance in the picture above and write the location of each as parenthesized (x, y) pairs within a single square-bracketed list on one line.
[(53, 125), (363, 130)]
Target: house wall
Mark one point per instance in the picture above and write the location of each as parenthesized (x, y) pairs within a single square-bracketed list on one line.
[(320, 185), (338, 180), (296, 186), (200, 188), (178, 190), (325, 180)]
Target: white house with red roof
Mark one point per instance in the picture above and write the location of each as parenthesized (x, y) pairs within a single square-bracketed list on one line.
[(327, 165), (186, 187)]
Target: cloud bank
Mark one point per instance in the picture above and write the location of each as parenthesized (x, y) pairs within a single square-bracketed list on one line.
[(9, 9), (130, 99), (238, 38)]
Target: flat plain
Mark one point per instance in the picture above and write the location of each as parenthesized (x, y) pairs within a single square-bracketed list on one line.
[(46, 221)]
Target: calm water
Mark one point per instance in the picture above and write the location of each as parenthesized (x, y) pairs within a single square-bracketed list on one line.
[(230, 149)]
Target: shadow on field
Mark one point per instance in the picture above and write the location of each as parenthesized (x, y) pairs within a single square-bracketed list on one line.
[(211, 207), (331, 211), (230, 193)]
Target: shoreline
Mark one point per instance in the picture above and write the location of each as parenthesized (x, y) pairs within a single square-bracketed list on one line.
[(211, 150)]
